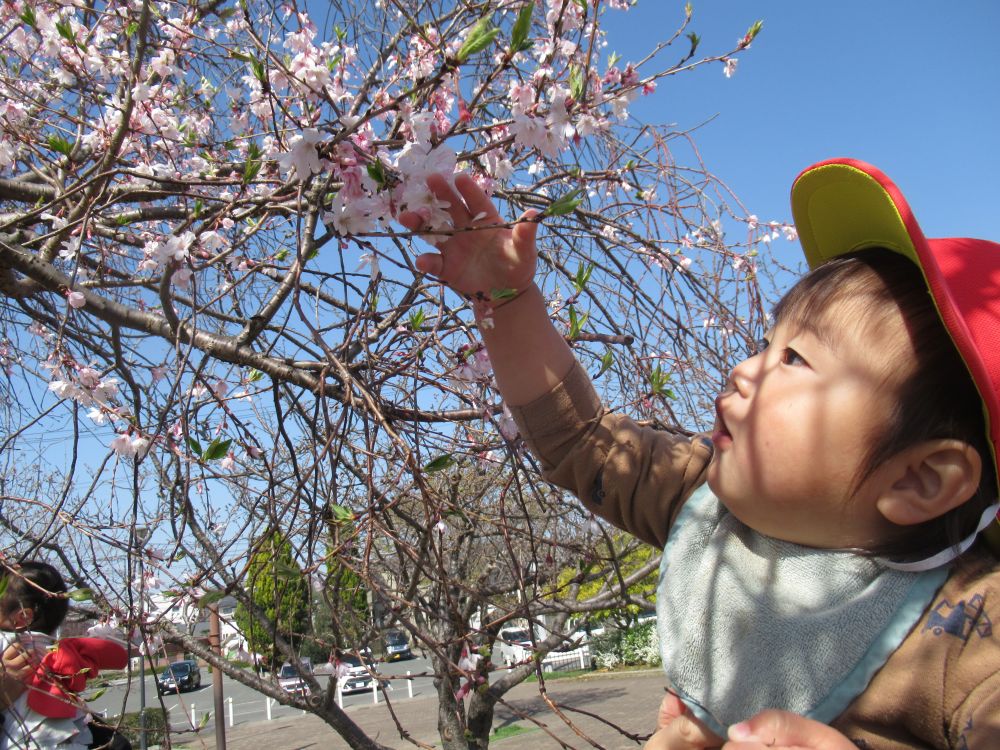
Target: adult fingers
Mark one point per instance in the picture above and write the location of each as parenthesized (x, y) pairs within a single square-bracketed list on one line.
[(684, 733), (783, 729), (670, 708)]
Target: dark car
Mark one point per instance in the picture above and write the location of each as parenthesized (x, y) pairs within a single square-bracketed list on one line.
[(397, 646), (179, 676)]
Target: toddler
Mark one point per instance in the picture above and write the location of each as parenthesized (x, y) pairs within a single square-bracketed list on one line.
[(821, 551)]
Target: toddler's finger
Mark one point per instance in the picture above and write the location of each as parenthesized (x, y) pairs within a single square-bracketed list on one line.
[(429, 263), (411, 220), (478, 202)]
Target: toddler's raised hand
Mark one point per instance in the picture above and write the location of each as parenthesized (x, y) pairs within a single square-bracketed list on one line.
[(482, 259)]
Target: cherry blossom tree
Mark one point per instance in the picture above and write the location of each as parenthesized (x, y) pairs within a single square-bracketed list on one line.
[(213, 332)]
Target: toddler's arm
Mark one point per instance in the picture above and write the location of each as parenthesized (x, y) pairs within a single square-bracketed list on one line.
[(634, 477)]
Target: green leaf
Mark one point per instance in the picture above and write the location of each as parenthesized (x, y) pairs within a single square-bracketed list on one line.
[(97, 694), (576, 82), (29, 17), (210, 597), (695, 41), (519, 34), (613, 59), (216, 449), (751, 34), (254, 375), (199, 206), (81, 595), (131, 28), (606, 361), (253, 164), (65, 29), (658, 383), (240, 56), (258, 69), (576, 322), (416, 319), (440, 463), (564, 204), (497, 295), (688, 10), (582, 276), (195, 446), (204, 720), (60, 145), (341, 514), (481, 37), (376, 170)]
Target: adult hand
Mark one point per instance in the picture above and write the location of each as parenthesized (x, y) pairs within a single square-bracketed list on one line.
[(678, 729), (16, 664), (483, 255), (782, 730)]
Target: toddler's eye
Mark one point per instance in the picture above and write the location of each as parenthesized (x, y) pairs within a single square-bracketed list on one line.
[(792, 357)]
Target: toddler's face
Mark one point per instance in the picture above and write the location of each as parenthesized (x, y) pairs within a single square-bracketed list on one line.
[(796, 424)]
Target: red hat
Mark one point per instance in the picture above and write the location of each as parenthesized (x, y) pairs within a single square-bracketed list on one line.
[(843, 205)]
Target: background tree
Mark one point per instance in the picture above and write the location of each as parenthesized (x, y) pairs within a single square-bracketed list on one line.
[(212, 328), (275, 584)]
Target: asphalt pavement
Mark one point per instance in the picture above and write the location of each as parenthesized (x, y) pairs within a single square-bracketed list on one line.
[(607, 711)]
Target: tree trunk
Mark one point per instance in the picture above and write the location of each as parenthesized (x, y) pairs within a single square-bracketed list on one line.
[(451, 712)]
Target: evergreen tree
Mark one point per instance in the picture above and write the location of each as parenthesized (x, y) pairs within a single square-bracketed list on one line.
[(280, 591)]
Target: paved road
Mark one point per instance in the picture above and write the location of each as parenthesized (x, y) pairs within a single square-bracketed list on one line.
[(625, 702), (243, 704)]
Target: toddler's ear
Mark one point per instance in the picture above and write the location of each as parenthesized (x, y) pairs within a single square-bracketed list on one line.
[(929, 479)]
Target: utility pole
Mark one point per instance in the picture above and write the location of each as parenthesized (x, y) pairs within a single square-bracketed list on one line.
[(215, 643)]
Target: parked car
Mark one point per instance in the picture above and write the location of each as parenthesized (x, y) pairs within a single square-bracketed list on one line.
[(290, 678), (179, 676), (397, 646), (355, 673), (514, 645)]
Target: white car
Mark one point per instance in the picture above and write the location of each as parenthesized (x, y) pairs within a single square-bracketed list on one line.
[(290, 678), (354, 674)]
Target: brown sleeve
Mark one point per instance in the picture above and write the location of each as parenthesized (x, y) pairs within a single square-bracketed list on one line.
[(637, 478)]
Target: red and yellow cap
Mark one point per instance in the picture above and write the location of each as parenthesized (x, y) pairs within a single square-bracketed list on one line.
[(844, 205)]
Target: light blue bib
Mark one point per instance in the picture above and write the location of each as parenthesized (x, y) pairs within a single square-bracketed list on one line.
[(748, 622)]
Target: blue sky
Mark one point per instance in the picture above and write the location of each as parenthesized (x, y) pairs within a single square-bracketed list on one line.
[(912, 87)]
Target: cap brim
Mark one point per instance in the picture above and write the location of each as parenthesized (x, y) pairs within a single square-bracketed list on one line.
[(843, 205)]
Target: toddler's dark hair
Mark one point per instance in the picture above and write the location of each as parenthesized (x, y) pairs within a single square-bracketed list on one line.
[(37, 586), (938, 400)]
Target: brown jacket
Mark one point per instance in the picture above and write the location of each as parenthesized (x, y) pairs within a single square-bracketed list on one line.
[(940, 689)]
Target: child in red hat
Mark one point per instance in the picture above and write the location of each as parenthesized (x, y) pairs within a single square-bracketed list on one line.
[(49, 713), (821, 547)]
